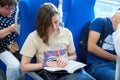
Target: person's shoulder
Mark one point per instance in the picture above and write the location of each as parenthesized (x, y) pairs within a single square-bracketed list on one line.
[(33, 34), (64, 29), (98, 19), (97, 22), (14, 13)]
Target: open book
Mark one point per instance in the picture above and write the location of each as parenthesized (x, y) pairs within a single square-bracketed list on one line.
[(70, 68)]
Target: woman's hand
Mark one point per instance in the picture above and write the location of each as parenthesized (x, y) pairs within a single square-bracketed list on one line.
[(13, 28), (62, 62), (4, 32), (51, 63)]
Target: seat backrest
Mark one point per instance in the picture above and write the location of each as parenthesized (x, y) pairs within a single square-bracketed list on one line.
[(75, 14)]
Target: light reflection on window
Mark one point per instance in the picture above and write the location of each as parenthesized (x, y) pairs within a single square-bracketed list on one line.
[(106, 8)]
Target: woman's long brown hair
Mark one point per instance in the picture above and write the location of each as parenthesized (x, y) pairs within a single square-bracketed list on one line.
[(45, 14)]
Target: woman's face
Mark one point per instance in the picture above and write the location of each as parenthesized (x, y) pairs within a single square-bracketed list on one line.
[(6, 10), (53, 28)]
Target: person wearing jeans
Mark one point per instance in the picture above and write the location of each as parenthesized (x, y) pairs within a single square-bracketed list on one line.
[(101, 60), (8, 35)]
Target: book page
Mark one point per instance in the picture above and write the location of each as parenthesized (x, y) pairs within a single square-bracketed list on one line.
[(70, 68), (73, 66)]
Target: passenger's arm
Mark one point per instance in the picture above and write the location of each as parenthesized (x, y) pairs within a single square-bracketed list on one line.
[(4, 32), (96, 50), (27, 66)]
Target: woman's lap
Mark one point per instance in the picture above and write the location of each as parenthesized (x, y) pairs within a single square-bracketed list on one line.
[(80, 75)]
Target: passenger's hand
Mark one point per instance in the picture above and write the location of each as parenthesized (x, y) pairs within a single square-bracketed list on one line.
[(13, 28), (62, 62), (51, 64)]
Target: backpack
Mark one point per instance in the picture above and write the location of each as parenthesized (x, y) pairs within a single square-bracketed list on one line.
[(84, 39)]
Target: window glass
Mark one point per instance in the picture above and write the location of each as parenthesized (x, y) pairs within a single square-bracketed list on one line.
[(106, 8)]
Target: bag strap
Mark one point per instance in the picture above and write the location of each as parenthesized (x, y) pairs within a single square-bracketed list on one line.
[(83, 42), (104, 33)]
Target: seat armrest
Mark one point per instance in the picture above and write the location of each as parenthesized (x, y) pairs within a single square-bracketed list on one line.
[(34, 75)]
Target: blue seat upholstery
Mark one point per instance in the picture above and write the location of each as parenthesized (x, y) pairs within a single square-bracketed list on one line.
[(28, 12), (75, 14)]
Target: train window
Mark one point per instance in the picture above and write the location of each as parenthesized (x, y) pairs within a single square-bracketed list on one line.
[(106, 8)]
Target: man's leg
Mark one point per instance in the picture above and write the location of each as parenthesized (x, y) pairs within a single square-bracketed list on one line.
[(103, 71)]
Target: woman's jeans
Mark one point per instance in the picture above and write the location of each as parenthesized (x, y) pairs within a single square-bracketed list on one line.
[(13, 65), (103, 70), (81, 75)]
